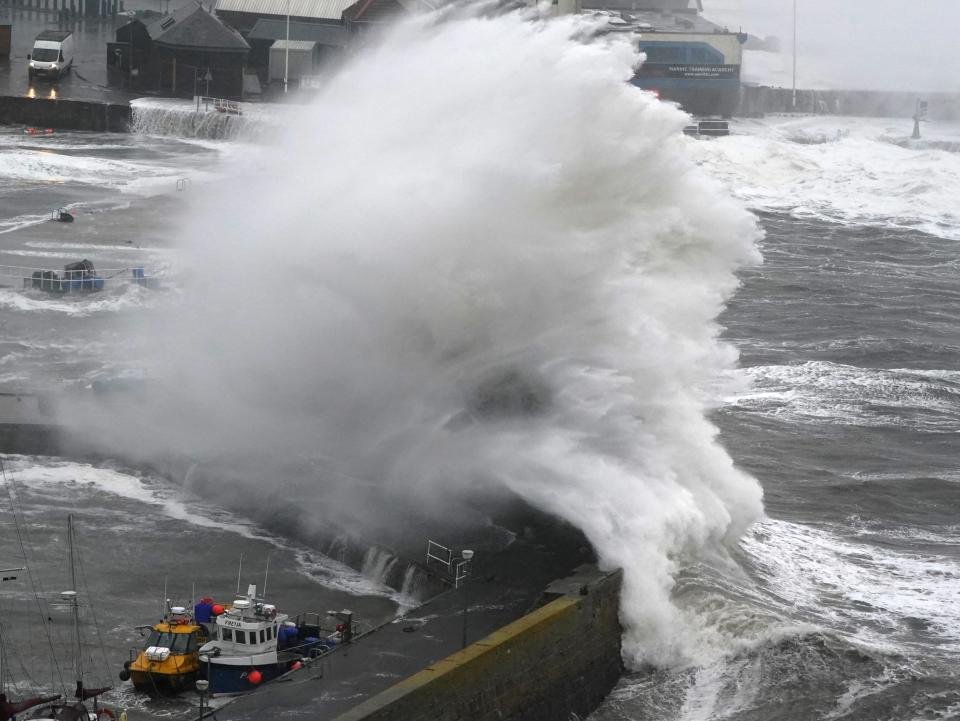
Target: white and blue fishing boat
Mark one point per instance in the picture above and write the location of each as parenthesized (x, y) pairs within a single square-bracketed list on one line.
[(252, 644)]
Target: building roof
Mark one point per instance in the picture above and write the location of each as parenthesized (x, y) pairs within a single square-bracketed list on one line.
[(318, 9), (293, 45), (655, 21), (54, 35), (275, 29), (378, 10), (193, 27)]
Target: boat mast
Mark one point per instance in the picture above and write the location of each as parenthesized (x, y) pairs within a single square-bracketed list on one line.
[(6, 574), (76, 607), (263, 593)]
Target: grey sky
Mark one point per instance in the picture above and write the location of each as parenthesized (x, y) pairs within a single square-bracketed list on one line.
[(862, 44)]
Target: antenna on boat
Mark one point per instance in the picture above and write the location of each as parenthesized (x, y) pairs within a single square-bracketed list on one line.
[(239, 569), (263, 593), (164, 602)]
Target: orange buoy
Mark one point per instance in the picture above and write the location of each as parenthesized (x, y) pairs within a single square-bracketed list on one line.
[(217, 609)]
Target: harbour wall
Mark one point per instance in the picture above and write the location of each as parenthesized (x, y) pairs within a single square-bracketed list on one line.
[(65, 114), (562, 659), (27, 425), (757, 101)]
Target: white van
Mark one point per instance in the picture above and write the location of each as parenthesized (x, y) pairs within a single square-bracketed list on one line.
[(52, 54)]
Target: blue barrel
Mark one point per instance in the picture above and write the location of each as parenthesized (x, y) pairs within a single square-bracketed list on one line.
[(203, 612)]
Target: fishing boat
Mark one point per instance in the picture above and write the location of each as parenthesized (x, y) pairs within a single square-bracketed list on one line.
[(168, 661), (253, 644)]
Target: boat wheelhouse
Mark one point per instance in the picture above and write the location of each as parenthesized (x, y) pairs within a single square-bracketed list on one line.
[(254, 644), (168, 661)]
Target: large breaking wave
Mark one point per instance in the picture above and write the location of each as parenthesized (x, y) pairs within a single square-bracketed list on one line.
[(480, 259)]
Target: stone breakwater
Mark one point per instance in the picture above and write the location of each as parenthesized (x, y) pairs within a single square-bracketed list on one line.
[(65, 114), (562, 659)]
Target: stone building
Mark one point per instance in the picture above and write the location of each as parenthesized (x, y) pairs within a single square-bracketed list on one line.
[(188, 52)]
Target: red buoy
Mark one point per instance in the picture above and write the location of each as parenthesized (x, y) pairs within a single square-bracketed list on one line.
[(254, 677), (296, 666), (217, 609)]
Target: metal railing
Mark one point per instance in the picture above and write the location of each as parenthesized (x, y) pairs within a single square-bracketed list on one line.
[(51, 276), (453, 569)]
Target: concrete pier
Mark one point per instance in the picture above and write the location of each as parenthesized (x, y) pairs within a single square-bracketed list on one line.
[(537, 656)]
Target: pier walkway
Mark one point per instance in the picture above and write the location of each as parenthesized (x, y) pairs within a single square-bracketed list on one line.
[(354, 672)]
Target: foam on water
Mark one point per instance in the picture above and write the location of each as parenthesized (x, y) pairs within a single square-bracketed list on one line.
[(832, 393), (8, 225), (39, 473), (122, 298), (877, 596), (853, 173), (47, 245), (145, 170)]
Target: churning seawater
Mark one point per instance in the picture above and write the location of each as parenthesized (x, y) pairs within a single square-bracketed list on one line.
[(843, 601), (530, 216)]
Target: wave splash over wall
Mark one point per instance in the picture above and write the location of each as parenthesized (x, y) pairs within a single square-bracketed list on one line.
[(481, 260)]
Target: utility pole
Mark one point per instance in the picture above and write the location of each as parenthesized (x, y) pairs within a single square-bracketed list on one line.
[(794, 54)]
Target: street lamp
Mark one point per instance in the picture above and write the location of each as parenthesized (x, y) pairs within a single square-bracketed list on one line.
[(467, 556), (456, 571), (286, 52), (202, 686)]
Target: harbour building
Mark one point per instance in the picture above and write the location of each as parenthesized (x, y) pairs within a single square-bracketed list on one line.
[(689, 59)]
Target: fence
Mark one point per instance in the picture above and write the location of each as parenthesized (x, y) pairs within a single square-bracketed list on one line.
[(67, 281)]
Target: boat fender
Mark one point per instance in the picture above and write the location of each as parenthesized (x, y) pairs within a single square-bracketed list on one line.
[(124, 675), (254, 677), (108, 712)]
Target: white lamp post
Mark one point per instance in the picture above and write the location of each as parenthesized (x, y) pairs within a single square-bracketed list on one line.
[(286, 55), (202, 686), (467, 556)]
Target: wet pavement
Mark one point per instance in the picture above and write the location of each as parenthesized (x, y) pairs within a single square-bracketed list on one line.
[(88, 78), (505, 586), (355, 672)]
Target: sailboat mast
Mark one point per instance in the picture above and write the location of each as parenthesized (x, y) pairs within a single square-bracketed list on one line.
[(76, 606)]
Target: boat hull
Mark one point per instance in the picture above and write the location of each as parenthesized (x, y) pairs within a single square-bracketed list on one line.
[(232, 679), (163, 683)]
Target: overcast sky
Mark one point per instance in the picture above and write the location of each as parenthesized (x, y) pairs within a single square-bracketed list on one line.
[(863, 44)]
